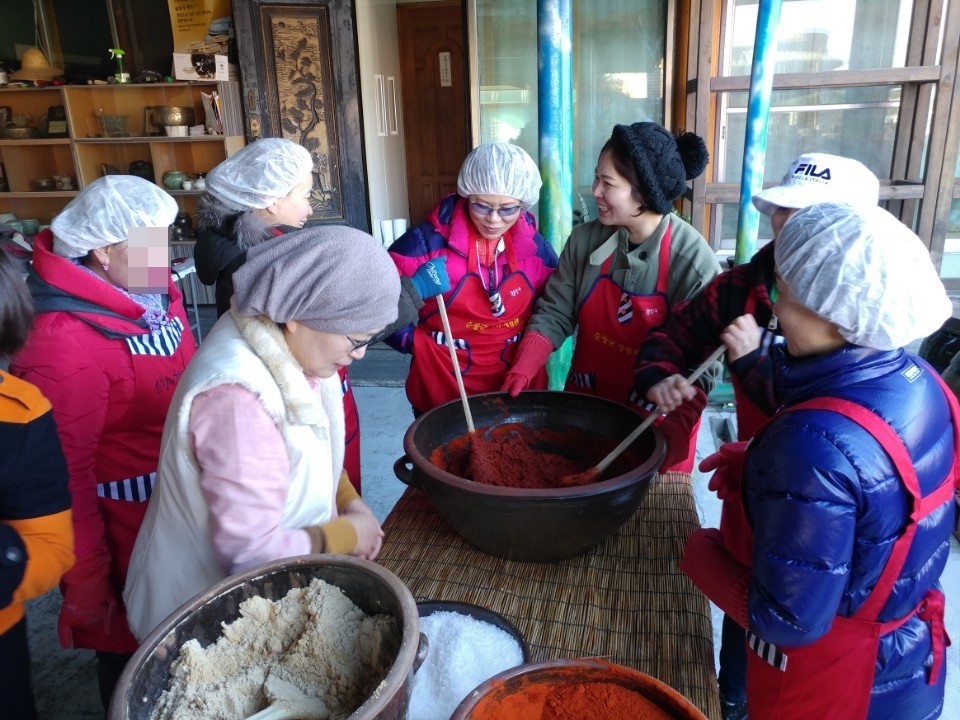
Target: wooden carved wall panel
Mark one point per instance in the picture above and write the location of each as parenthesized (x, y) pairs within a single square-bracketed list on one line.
[(299, 71), (302, 85)]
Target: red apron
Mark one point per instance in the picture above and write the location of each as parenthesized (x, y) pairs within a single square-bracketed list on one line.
[(837, 671), (351, 421), (158, 360), (737, 536), (486, 319), (612, 324), (749, 416)]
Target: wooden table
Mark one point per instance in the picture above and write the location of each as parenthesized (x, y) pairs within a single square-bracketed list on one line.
[(625, 600)]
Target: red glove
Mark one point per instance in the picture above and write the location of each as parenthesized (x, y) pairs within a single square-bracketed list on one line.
[(531, 356), (722, 579), (677, 427), (88, 596), (728, 464)]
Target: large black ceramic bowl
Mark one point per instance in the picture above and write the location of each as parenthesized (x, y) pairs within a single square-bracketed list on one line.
[(533, 524), (371, 587)]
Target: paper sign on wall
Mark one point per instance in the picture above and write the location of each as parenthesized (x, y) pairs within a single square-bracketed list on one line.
[(446, 79), (200, 25)]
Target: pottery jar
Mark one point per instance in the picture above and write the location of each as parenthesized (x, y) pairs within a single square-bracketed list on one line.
[(173, 179)]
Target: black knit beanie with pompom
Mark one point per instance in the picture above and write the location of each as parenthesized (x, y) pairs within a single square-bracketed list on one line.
[(663, 161)]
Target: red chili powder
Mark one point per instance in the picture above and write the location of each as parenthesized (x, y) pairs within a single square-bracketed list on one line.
[(514, 455), (573, 701)]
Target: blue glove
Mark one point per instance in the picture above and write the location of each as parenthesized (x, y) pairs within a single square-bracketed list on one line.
[(431, 278)]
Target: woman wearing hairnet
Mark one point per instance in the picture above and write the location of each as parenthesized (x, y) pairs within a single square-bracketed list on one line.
[(497, 264), (256, 195), (849, 488), (108, 356), (251, 468), (619, 275)]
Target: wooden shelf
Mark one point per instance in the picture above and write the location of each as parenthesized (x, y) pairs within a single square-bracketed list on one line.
[(85, 154)]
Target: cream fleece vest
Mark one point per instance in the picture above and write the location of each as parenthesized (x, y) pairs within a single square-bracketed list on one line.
[(173, 558)]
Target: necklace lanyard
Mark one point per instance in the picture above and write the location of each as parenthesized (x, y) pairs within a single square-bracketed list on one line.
[(492, 285), (492, 282)]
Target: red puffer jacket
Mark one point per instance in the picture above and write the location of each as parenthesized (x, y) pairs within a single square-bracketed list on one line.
[(109, 380)]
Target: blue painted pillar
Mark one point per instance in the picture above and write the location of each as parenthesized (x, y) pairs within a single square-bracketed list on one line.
[(758, 116), (555, 109)]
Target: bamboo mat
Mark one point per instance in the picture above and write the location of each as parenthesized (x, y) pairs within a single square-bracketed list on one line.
[(625, 600)]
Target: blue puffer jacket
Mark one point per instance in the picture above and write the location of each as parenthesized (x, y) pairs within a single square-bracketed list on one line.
[(826, 507)]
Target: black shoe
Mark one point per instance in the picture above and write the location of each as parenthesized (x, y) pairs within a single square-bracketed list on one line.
[(736, 710)]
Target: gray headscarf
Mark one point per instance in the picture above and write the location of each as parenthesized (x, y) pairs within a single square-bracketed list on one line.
[(331, 278)]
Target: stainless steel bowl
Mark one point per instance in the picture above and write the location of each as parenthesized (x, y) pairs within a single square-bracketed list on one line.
[(19, 133), (174, 115)]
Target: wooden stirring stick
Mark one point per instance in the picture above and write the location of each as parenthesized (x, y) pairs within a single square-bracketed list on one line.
[(456, 363), (588, 476)]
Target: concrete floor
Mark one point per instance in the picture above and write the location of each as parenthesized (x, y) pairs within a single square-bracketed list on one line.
[(65, 681)]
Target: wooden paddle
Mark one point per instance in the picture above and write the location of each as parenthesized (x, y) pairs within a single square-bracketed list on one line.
[(590, 475)]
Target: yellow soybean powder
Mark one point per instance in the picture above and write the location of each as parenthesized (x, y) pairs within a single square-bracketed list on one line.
[(314, 638)]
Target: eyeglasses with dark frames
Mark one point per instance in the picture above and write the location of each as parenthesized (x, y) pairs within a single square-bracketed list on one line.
[(357, 344), (487, 211)]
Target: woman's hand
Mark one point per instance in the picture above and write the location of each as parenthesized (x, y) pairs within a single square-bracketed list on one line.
[(741, 337), (369, 532), (671, 393)]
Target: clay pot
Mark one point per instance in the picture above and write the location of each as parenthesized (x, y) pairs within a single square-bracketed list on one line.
[(173, 179), (540, 525), (372, 588), (531, 684)]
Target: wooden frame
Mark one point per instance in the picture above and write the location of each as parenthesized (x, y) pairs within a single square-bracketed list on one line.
[(300, 80), (922, 185)]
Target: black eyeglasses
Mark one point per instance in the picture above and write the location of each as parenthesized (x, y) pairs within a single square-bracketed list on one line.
[(357, 344), (487, 211)]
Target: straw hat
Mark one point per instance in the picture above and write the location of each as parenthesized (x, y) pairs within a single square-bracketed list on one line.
[(35, 66)]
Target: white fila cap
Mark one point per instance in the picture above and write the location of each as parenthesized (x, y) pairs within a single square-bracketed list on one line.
[(817, 178)]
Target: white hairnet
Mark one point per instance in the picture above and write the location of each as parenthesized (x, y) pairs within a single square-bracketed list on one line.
[(500, 169), (864, 271), (260, 174), (105, 210)]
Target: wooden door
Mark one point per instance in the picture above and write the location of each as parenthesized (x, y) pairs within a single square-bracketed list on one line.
[(299, 71), (433, 84)]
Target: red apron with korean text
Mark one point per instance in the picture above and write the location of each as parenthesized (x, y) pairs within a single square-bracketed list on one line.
[(837, 671), (612, 324), (486, 342)]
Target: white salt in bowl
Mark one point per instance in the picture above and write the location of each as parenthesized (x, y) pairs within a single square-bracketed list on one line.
[(467, 644)]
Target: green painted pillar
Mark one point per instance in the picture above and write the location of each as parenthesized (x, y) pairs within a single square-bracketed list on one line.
[(555, 108)]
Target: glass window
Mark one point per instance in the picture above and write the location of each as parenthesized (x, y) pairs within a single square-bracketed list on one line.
[(860, 123), (618, 57)]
